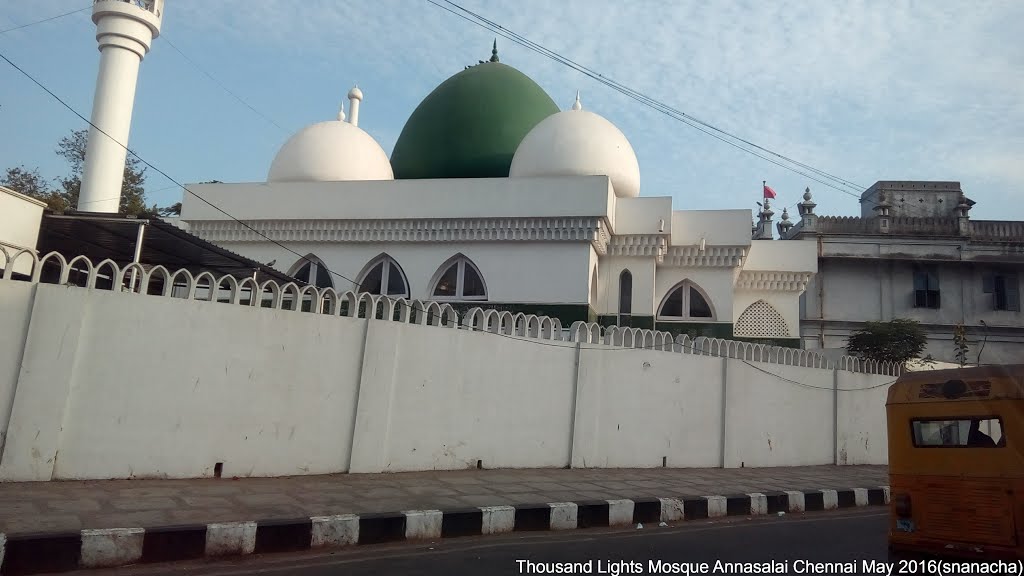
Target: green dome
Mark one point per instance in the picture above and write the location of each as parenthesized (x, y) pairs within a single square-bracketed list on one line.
[(471, 125)]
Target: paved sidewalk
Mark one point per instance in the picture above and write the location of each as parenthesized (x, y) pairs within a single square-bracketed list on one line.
[(72, 506)]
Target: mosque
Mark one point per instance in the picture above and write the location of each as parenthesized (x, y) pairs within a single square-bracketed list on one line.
[(493, 197)]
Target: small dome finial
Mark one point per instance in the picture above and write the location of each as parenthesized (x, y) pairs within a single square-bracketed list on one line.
[(577, 105), (807, 194), (355, 96), (341, 112), (494, 51)]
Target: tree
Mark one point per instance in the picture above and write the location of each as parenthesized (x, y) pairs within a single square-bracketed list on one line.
[(133, 195), (65, 197), (897, 341), (172, 210), (960, 344), (32, 184)]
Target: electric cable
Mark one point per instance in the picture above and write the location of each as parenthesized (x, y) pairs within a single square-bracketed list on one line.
[(304, 258), (651, 102), (51, 18)]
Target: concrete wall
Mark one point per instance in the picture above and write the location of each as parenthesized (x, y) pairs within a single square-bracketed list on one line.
[(859, 290), (862, 436), (104, 391), (762, 437), (916, 199), (443, 399), (717, 284), (994, 346), (20, 218), (15, 310), (795, 256), (785, 303), (643, 271), (512, 272), (637, 407), (643, 215), (716, 227), (571, 196)]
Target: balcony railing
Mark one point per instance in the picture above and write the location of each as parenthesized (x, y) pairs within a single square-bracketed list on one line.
[(998, 230), (147, 5)]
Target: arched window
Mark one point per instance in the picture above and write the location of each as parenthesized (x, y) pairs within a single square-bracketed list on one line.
[(686, 301), (625, 297), (593, 288), (311, 270), (385, 277), (458, 279)]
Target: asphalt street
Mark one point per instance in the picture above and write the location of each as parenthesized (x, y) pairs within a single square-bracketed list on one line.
[(797, 540)]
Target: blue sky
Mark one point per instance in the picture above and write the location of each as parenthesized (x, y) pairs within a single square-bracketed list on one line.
[(865, 90)]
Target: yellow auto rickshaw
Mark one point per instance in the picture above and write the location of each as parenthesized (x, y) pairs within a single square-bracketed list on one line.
[(956, 462)]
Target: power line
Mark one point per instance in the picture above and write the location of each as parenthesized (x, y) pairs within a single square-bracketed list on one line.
[(759, 369), (257, 112), (164, 38), (304, 258), (518, 38), (652, 103), (46, 19)]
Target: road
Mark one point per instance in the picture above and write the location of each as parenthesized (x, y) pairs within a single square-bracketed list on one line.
[(833, 537)]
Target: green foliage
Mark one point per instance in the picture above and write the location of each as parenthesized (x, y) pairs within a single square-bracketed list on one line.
[(897, 341), (31, 183), (960, 344), (64, 197)]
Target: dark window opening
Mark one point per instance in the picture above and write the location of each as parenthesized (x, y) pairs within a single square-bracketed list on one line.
[(461, 281), (314, 272), (625, 292), (685, 302), (384, 278), (323, 277), (699, 307), (396, 285), (926, 289), (1004, 289), (373, 279), (472, 284), (625, 298), (673, 306), (980, 432), (449, 281)]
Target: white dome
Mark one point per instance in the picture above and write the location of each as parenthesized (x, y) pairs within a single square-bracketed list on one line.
[(579, 143), (330, 152)]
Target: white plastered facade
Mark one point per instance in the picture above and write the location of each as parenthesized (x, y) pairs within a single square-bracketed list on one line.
[(555, 237), (533, 240)]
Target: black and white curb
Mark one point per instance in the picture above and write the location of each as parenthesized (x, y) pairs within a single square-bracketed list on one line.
[(105, 548)]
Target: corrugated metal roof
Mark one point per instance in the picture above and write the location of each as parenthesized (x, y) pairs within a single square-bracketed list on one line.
[(113, 236)]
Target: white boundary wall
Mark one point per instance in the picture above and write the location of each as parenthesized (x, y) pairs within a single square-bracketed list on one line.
[(111, 384)]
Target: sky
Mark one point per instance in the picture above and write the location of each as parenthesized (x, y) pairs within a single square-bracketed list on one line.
[(864, 90)]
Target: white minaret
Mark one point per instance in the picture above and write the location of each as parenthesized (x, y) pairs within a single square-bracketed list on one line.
[(124, 31), (355, 96)]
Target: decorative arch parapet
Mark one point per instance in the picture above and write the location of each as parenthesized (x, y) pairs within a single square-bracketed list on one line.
[(159, 282)]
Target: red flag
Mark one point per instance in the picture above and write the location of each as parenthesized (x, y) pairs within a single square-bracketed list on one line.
[(768, 192)]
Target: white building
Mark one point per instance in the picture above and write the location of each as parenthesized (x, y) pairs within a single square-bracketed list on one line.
[(494, 195), (915, 253)]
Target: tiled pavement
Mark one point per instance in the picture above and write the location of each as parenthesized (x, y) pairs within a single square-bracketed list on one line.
[(75, 505)]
